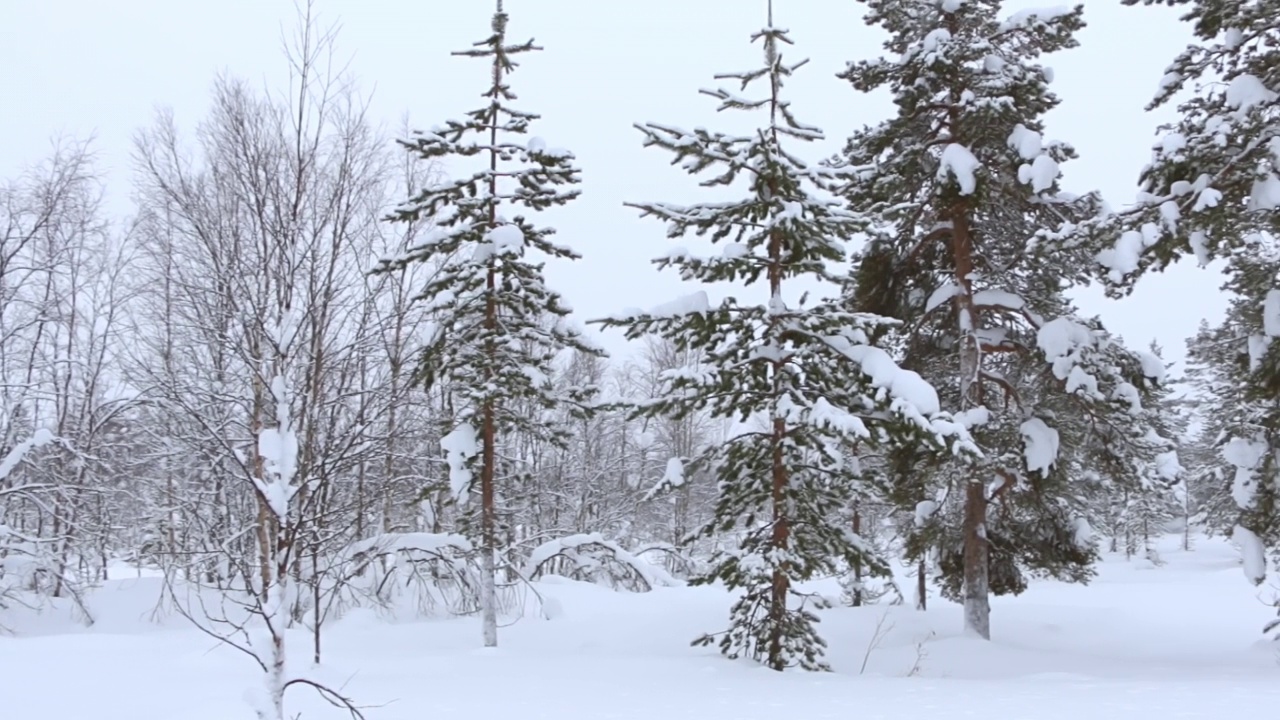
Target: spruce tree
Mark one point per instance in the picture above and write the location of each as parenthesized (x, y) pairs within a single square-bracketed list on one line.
[(958, 184), (1233, 466), (1138, 500), (1217, 371), (802, 370), (501, 328), (1212, 190)]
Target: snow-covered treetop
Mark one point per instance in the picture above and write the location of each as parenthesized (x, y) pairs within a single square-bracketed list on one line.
[(964, 161), (788, 225), (972, 96), (962, 188), (501, 327), (786, 192), (463, 208), (966, 154)]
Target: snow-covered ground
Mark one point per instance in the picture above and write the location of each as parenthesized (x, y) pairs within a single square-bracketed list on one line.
[(1177, 641)]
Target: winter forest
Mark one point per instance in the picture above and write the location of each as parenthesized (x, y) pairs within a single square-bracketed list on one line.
[(312, 419)]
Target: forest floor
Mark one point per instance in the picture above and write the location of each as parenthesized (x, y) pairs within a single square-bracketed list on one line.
[(1176, 641)]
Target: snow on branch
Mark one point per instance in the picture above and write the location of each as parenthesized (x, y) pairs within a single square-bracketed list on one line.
[(460, 446), (1035, 17), (672, 478), (39, 438), (692, 304), (441, 544)]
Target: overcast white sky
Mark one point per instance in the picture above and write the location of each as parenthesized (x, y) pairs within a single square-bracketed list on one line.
[(87, 67)]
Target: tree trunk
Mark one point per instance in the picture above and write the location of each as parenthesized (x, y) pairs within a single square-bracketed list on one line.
[(488, 593), (781, 517), (922, 584), (265, 528), (977, 608), (780, 540), (317, 616), (856, 597), (1186, 521), (488, 524), (276, 678)]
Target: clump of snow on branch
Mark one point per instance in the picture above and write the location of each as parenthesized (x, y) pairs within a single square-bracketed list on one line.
[(1253, 554), (960, 163), (278, 446), (925, 510), (1245, 91), (905, 385), (672, 477), (691, 304), (1083, 535), (1152, 366), (1271, 313), (1080, 355), (506, 239), (1030, 17), (460, 446), (1125, 256), (1041, 444), (1040, 171), (1245, 455), (39, 438), (1168, 467), (1027, 142), (999, 299)]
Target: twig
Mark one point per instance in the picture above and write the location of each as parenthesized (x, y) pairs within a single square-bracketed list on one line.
[(333, 697), (921, 654), (883, 627)]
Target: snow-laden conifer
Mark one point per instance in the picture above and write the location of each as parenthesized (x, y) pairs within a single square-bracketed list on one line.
[(1217, 370), (1212, 190), (1233, 464), (800, 374), (1136, 501), (501, 328), (958, 185), (1214, 178)]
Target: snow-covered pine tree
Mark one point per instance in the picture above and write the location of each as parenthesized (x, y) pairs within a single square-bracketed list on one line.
[(956, 185), (1212, 190), (502, 328), (1216, 366), (803, 370), (1214, 178), (1232, 373), (1139, 500)]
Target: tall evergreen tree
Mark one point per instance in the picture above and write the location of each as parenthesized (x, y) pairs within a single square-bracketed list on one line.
[(502, 328), (803, 371), (958, 183), (1216, 362), (1233, 464), (1138, 500), (1212, 189)]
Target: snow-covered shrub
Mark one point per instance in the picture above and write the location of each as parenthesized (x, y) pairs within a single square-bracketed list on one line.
[(593, 559), (432, 573)]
